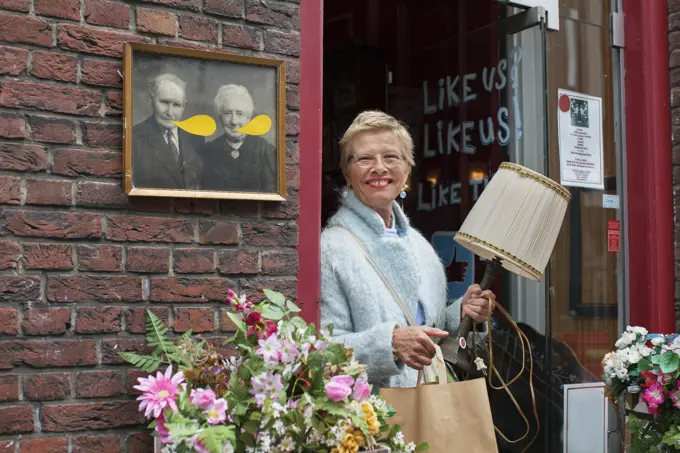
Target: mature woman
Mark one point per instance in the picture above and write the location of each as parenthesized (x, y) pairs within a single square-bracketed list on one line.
[(376, 158)]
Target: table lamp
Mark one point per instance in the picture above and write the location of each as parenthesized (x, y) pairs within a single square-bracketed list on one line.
[(513, 225)]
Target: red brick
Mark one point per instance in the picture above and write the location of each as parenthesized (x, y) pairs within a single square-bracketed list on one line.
[(80, 162), (293, 71), (83, 288), (46, 321), (17, 5), (289, 209), (139, 443), (194, 261), (132, 379), (198, 28), (13, 60), (114, 103), (238, 262), (189, 289), (112, 347), (7, 446), (217, 232), (52, 98), (10, 190), (195, 206), (292, 124), (110, 14), (47, 386), (101, 73), (100, 258), (228, 8), (240, 208), (53, 130), (183, 4), (57, 66), (25, 30), (195, 319), (150, 204), (100, 194), (203, 46), (292, 153), (149, 229), (282, 15), (80, 417), (22, 157), (293, 97), (283, 43), (98, 384), (12, 126), (98, 320), (136, 318), (47, 224), (293, 178), (46, 354), (156, 21), (19, 288), (9, 388), (96, 444), (66, 9), (16, 419), (280, 263), (49, 192), (97, 42), (48, 256), (253, 287), (152, 260), (226, 324), (10, 252), (46, 445), (241, 36), (103, 135), (9, 321), (270, 234)]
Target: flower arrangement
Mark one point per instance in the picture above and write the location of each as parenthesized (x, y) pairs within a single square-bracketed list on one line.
[(646, 367), (288, 390)]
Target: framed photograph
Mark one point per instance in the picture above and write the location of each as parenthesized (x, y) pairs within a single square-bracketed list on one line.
[(203, 124)]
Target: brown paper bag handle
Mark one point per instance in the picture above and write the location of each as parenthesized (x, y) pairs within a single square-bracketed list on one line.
[(438, 359)]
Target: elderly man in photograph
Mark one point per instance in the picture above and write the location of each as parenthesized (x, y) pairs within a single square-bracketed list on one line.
[(235, 161), (163, 156)]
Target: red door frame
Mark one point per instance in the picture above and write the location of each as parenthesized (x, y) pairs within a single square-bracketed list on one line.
[(651, 277), (311, 101)]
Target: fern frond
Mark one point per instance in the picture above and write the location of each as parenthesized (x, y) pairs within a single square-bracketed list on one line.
[(187, 335), (156, 336), (146, 363)]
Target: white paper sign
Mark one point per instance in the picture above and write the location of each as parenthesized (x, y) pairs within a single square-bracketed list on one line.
[(579, 123), (610, 201)]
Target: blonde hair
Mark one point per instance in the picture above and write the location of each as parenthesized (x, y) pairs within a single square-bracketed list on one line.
[(375, 120)]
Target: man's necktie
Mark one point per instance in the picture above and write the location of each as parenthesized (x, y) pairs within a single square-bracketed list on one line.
[(174, 150)]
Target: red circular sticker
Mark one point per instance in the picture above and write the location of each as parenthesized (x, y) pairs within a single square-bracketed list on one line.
[(565, 103), (462, 342)]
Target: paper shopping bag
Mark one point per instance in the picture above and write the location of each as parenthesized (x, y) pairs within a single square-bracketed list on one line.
[(451, 418)]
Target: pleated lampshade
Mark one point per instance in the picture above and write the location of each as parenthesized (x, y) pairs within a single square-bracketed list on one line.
[(516, 219)]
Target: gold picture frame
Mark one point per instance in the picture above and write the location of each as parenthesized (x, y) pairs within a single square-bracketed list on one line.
[(166, 86)]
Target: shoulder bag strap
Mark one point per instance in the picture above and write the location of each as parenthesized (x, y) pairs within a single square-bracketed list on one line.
[(383, 277)]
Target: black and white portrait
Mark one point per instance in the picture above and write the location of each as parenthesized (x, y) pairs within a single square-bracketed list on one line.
[(201, 126)]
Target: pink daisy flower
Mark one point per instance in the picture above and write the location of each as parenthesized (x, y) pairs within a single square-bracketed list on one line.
[(653, 397), (159, 392), (217, 413)]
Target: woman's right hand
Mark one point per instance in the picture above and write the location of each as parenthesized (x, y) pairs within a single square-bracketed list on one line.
[(413, 345)]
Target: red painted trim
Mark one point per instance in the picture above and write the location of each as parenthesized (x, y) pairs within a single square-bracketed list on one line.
[(311, 101), (649, 175)]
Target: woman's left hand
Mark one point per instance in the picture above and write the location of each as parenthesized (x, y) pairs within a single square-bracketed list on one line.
[(476, 303)]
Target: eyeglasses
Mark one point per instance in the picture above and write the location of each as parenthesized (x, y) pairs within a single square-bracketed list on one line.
[(368, 160)]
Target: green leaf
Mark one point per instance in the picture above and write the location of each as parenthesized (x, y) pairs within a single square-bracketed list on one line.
[(335, 354), (299, 323), (247, 440), (656, 359), (181, 428), (274, 297), (422, 446), (214, 438), (644, 365), (273, 312), (251, 426), (156, 336), (292, 307), (143, 362), (239, 324), (669, 362)]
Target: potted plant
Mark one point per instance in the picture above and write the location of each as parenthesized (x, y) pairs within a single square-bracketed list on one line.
[(287, 390), (644, 372)]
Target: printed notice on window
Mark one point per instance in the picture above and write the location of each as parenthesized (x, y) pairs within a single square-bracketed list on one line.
[(579, 122)]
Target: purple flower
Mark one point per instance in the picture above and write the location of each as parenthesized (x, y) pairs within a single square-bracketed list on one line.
[(202, 398), (270, 350), (343, 379), (289, 351), (336, 391), (361, 391)]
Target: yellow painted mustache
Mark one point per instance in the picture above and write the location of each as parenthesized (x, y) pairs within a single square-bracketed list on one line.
[(205, 125)]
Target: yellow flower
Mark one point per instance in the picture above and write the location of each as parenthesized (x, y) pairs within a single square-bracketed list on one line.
[(348, 445), (357, 434), (371, 418)]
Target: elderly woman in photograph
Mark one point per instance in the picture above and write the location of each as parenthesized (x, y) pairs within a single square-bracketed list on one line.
[(376, 158), (235, 161)]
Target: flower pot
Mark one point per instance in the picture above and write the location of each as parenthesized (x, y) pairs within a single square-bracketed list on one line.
[(157, 447)]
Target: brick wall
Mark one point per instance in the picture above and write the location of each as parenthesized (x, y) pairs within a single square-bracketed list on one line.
[(79, 261)]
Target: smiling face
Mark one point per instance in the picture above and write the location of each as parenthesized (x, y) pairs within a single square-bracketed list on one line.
[(377, 171), (236, 113), (168, 103)]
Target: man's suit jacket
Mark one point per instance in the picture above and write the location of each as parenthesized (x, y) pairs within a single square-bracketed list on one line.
[(153, 165)]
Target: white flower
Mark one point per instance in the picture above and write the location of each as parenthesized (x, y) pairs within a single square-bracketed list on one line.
[(657, 341), (634, 356), (644, 351), (637, 330), (626, 339), (622, 374), (228, 448), (287, 444), (621, 358)]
